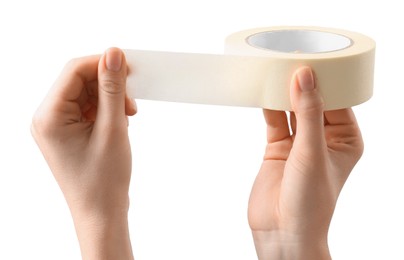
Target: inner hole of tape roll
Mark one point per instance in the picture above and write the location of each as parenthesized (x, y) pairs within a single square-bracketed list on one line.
[(299, 41)]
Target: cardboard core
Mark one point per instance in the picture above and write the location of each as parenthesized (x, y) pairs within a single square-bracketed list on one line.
[(299, 41)]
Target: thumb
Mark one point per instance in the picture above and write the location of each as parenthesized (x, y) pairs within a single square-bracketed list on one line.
[(308, 106), (112, 72)]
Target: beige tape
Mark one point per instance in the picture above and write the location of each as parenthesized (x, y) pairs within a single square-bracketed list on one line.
[(257, 68)]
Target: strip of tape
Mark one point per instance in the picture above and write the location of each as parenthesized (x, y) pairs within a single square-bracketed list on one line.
[(257, 67)]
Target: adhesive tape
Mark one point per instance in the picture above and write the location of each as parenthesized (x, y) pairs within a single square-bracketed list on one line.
[(257, 67)]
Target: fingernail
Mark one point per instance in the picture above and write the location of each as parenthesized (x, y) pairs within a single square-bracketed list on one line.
[(305, 79), (113, 59)]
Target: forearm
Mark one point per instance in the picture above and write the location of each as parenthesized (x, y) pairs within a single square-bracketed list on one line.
[(275, 245), (103, 238)]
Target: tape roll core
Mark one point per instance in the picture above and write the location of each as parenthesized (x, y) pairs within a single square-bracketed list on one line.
[(299, 41)]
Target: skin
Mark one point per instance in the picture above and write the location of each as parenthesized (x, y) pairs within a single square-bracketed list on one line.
[(81, 129), (294, 195)]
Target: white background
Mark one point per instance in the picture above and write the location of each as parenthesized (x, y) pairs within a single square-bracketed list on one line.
[(193, 164)]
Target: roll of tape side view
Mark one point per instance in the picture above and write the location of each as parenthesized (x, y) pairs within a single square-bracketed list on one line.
[(257, 67)]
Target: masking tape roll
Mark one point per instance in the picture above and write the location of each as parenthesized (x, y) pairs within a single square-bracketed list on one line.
[(257, 68)]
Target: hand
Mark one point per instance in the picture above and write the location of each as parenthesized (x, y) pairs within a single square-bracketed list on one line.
[(82, 130), (296, 190)]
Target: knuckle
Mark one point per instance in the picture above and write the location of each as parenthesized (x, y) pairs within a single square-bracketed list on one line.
[(41, 126), (36, 126), (311, 106), (314, 101), (112, 84), (72, 63)]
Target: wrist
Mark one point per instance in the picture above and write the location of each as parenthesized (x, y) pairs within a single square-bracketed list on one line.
[(97, 209), (102, 228), (283, 245), (103, 237)]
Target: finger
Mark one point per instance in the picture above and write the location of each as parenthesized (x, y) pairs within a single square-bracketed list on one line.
[(89, 96), (308, 108), (130, 106), (342, 131), (90, 114), (74, 77), (277, 125), (340, 117), (112, 72)]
